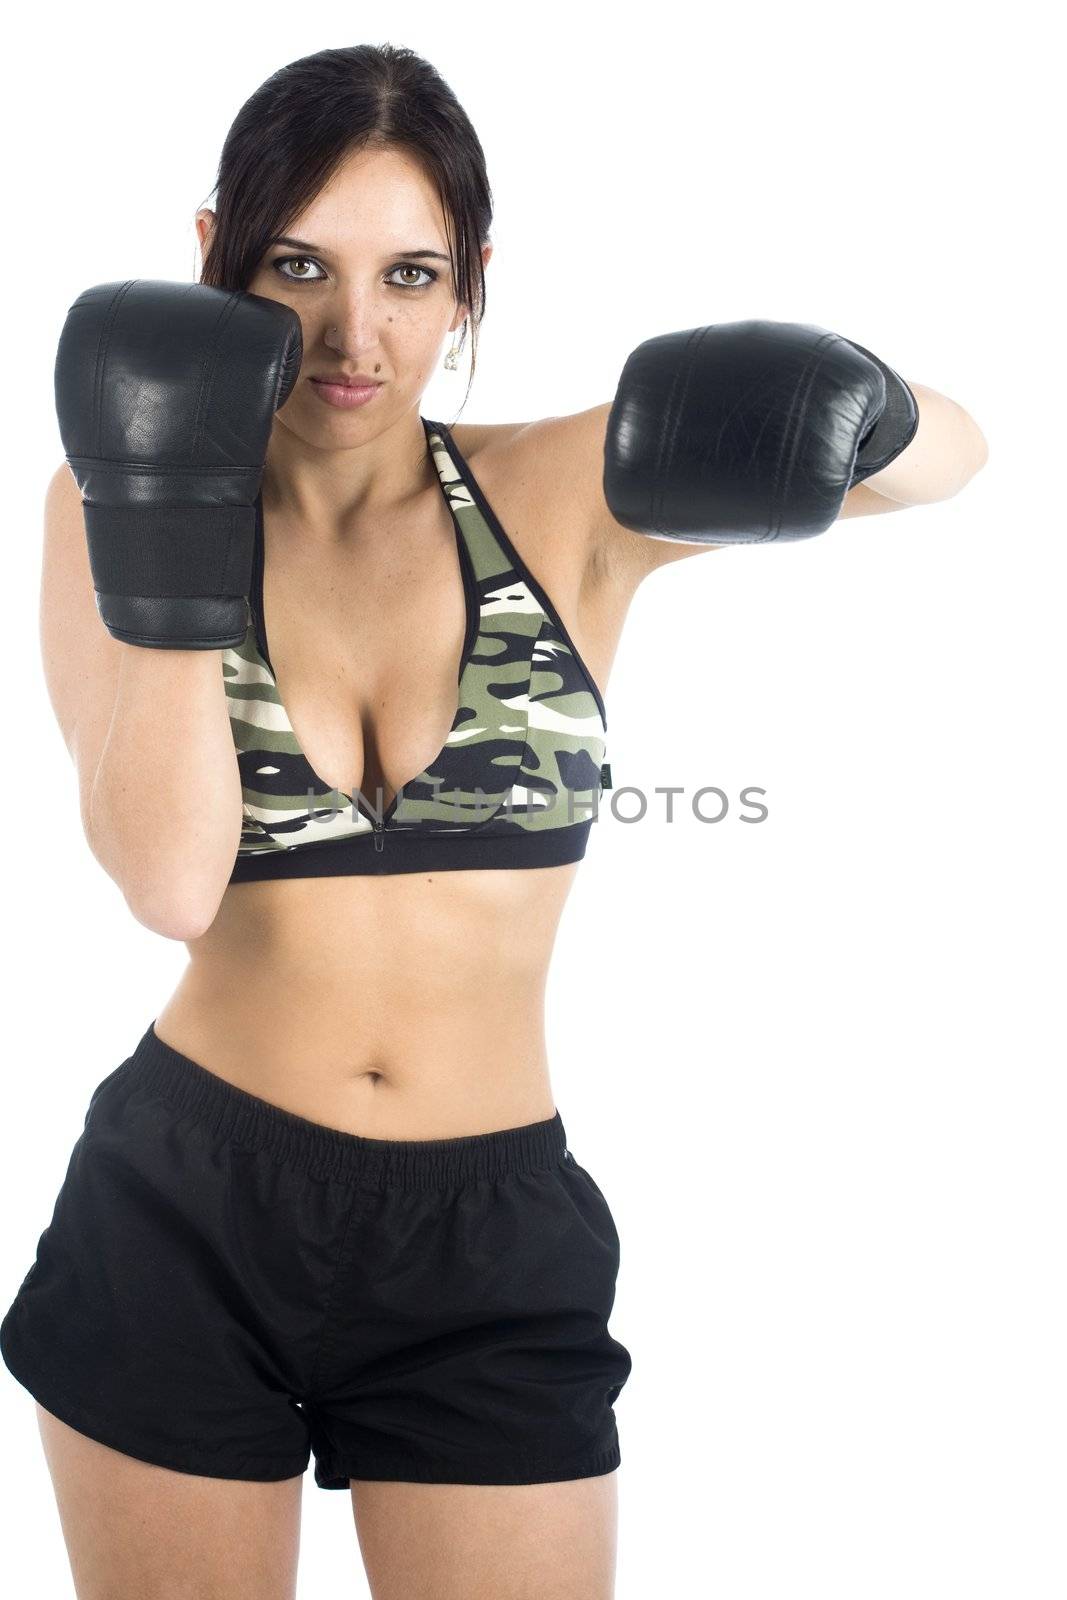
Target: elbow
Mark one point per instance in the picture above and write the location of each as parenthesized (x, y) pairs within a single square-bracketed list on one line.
[(972, 460), (175, 904), (981, 455), (171, 917), (969, 469), (165, 897)]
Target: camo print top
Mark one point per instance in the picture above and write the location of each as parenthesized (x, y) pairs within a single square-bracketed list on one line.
[(519, 779)]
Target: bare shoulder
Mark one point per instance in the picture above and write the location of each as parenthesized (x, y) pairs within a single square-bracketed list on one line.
[(474, 437), (559, 462), (561, 459)]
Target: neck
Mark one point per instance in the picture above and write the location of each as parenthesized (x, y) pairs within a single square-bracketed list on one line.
[(347, 493)]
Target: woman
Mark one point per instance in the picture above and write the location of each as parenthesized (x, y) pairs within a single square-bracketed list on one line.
[(327, 1203)]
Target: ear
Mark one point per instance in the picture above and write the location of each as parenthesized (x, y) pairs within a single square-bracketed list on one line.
[(464, 311), (205, 227)]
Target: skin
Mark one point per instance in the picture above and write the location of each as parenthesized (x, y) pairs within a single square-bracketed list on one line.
[(361, 1003)]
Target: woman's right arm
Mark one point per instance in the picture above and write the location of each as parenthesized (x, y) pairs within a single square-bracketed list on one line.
[(149, 734), (165, 395)]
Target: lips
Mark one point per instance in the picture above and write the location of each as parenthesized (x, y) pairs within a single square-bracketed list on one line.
[(347, 395), (351, 383)]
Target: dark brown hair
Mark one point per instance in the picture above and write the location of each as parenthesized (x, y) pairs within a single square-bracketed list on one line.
[(292, 134)]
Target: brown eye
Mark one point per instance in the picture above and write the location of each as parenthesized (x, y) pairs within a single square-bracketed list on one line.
[(300, 277), (410, 266), (283, 264)]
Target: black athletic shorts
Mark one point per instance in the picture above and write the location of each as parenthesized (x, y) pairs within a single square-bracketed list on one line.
[(225, 1287)]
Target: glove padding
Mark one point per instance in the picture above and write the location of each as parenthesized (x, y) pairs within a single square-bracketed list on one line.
[(747, 432), (166, 394)]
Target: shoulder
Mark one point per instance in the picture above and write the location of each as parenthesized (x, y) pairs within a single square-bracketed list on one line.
[(474, 437), (559, 463), (548, 476)]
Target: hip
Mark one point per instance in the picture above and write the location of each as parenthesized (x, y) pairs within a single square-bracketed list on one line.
[(224, 1286)]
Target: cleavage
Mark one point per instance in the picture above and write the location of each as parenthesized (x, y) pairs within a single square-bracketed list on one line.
[(365, 644)]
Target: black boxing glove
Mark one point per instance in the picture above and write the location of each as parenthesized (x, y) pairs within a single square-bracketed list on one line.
[(166, 394), (746, 432), (893, 430)]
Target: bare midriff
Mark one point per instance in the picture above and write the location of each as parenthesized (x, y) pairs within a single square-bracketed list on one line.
[(409, 1006)]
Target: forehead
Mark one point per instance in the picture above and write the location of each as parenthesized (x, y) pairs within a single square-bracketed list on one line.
[(379, 195)]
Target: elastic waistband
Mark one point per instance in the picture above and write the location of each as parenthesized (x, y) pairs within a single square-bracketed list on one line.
[(331, 1152)]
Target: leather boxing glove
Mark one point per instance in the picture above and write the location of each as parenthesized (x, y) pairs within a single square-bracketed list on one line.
[(166, 394), (894, 429), (747, 432)]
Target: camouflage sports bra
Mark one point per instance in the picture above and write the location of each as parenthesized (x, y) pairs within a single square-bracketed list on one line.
[(519, 779)]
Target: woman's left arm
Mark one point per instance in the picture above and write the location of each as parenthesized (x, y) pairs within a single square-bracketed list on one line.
[(764, 432), (946, 452)]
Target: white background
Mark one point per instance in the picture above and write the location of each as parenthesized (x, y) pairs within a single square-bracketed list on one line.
[(816, 1065)]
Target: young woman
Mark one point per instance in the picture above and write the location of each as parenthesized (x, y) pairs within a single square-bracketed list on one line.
[(327, 1205)]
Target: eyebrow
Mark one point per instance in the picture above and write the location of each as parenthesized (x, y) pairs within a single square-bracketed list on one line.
[(317, 250)]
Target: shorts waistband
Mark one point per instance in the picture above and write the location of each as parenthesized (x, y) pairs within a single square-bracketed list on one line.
[(332, 1152)]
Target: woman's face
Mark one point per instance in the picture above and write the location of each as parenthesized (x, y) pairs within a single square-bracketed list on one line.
[(368, 300)]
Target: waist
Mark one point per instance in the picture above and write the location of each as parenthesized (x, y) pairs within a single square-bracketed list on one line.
[(402, 1060)]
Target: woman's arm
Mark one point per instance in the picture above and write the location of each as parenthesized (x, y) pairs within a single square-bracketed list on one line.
[(150, 737), (165, 396), (946, 452)]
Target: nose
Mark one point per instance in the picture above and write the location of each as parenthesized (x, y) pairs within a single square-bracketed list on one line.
[(353, 324)]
